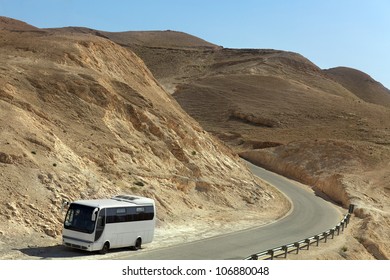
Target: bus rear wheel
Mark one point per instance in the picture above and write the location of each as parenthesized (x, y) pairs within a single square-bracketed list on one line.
[(105, 248), (138, 244)]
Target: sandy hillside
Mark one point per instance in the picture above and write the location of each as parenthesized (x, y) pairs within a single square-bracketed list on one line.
[(328, 128), (82, 117)]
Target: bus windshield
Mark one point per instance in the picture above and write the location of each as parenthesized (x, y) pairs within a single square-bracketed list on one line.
[(78, 218)]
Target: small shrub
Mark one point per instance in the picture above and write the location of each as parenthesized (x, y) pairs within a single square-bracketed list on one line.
[(139, 183)]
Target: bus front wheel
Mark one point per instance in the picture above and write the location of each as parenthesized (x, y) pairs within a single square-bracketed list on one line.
[(105, 248)]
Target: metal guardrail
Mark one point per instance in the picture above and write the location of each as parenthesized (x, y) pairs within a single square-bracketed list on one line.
[(270, 254)]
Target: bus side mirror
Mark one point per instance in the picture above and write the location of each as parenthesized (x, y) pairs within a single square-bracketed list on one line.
[(94, 214), (65, 204)]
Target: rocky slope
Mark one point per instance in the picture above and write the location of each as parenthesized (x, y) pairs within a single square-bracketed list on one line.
[(82, 117)]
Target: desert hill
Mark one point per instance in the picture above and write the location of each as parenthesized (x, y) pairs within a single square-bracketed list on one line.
[(361, 84), (152, 39), (83, 117), (7, 23), (171, 55), (327, 128)]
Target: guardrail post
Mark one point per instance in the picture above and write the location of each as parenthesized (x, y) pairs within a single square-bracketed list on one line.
[(296, 244), (332, 233), (254, 257), (271, 253), (342, 226), (351, 208), (307, 241), (317, 239), (347, 219), (285, 251), (338, 230), (326, 236)]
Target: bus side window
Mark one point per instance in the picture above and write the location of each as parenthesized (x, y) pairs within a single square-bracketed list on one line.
[(120, 215), (101, 219)]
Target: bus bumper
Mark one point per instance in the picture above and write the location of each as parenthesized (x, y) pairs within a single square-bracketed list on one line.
[(78, 244)]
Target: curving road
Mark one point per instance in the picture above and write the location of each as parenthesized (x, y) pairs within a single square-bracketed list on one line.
[(310, 215)]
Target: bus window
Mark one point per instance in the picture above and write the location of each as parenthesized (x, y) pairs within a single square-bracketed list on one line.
[(78, 218), (101, 222)]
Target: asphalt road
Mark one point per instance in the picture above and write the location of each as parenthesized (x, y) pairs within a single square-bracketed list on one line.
[(310, 215)]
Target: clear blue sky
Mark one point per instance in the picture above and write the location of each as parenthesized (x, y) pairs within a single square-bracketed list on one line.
[(353, 33)]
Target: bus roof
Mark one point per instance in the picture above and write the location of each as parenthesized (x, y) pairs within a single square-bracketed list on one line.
[(117, 201)]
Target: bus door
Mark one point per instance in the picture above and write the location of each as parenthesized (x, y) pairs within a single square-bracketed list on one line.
[(101, 222)]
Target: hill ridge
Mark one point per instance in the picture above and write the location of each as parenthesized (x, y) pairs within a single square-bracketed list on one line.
[(361, 84), (11, 24)]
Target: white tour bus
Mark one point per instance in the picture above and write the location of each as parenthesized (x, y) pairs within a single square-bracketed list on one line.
[(101, 224)]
